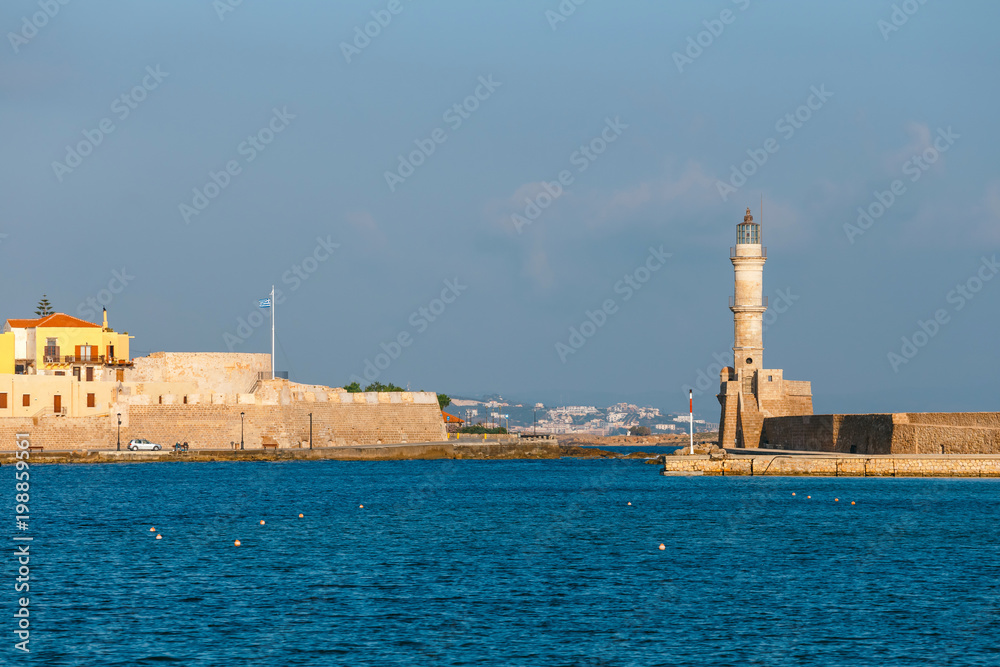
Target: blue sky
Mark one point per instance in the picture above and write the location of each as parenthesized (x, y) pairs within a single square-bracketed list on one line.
[(316, 197)]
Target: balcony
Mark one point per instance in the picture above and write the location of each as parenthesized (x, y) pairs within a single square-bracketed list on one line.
[(91, 359), (733, 255), (70, 359), (751, 303)]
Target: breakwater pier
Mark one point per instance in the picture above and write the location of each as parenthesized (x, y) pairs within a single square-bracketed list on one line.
[(498, 448), (811, 464)]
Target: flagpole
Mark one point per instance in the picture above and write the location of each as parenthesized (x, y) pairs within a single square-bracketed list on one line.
[(691, 409), (272, 331)]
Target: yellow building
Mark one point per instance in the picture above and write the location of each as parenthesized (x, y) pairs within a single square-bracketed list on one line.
[(7, 353), (59, 345), (37, 395), (60, 364)]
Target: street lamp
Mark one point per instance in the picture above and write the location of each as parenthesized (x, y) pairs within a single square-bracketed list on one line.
[(119, 431), (241, 429), (310, 430)]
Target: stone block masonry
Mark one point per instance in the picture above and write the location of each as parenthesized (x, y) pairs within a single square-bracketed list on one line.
[(341, 420), (898, 433), (831, 466), (212, 372)]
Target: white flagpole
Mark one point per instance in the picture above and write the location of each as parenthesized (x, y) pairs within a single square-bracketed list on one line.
[(272, 331), (691, 409)]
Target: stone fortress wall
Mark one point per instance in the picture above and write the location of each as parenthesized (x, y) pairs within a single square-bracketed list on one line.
[(221, 372), (784, 465), (898, 433), (198, 398)]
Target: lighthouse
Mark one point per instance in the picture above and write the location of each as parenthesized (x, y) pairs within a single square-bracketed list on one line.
[(748, 392), (748, 303)]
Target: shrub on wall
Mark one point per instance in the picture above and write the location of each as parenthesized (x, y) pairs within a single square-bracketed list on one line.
[(479, 429)]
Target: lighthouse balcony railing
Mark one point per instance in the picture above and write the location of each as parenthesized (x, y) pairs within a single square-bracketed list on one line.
[(733, 255), (749, 303)]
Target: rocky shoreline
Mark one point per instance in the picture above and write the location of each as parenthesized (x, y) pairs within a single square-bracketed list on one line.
[(399, 452)]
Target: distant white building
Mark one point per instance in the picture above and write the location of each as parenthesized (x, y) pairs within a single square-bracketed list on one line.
[(573, 411), (616, 417), (465, 402), (635, 410)]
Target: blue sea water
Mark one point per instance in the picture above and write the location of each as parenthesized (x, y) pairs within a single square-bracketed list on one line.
[(501, 562)]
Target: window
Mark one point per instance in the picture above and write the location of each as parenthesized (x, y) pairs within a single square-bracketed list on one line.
[(770, 378), (91, 400), (76, 372), (749, 360), (85, 353), (90, 373), (120, 374), (3, 400), (185, 400), (26, 400), (60, 372), (52, 349), (111, 352)]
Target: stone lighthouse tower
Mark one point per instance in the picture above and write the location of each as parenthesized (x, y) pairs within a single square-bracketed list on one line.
[(748, 303), (748, 392)]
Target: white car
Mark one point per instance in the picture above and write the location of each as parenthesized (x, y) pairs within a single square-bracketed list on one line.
[(141, 443)]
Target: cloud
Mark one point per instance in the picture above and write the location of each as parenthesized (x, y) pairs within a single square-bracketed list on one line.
[(973, 225), (24, 77), (691, 187), (921, 138), (992, 199), (538, 269), (365, 223), (499, 212), (785, 222), (596, 207), (989, 218)]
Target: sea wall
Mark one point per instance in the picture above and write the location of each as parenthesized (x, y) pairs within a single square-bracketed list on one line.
[(946, 433), (427, 451), (899, 433), (338, 419), (832, 466)]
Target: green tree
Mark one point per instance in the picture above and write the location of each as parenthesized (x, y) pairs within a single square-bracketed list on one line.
[(444, 400), (378, 386), (44, 307), (480, 429), (639, 430), (353, 388)]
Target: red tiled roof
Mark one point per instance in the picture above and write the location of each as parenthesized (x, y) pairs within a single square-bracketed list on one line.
[(54, 320), (21, 324)]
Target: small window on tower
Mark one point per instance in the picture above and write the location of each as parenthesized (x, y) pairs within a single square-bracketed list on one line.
[(770, 378), (749, 360)]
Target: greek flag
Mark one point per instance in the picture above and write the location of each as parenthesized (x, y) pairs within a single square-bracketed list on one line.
[(264, 303)]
